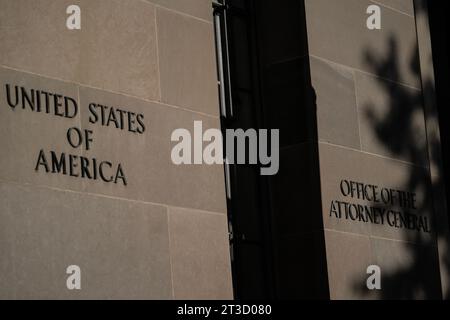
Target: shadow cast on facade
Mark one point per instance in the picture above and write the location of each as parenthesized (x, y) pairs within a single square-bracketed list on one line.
[(396, 131)]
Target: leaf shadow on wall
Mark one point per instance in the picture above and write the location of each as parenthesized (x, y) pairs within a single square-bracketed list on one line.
[(415, 274)]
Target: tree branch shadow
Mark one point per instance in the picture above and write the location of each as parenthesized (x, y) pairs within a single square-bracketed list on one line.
[(397, 132)]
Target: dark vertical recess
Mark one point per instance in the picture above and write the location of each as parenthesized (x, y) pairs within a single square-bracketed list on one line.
[(264, 45), (247, 209), (440, 39)]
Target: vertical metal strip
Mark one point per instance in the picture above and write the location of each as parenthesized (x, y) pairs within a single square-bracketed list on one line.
[(218, 30), (227, 179), (227, 52)]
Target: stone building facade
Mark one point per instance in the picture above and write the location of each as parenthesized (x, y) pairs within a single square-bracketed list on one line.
[(164, 234), (86, 176)]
